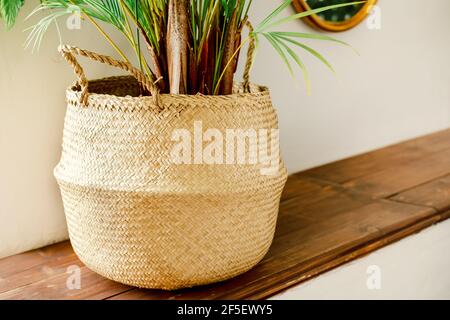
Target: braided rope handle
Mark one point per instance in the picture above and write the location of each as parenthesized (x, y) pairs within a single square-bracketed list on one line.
[(68, 52), (250, 56)]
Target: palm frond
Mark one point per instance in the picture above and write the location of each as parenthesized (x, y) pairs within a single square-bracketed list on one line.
[(9, 9), (272, 16), (314, 36), (307, 48), (276, 45), (209, 51), (280, 40)]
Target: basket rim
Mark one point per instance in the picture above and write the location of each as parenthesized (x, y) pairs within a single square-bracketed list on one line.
[(257, 91)]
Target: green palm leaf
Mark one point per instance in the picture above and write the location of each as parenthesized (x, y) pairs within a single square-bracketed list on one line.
[(271, 16), (301, 65), (310, 36), (279, 44), (9, 9), (309, 49), (280, 51)]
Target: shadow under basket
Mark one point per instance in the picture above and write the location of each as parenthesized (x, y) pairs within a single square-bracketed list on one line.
[(136, 216)]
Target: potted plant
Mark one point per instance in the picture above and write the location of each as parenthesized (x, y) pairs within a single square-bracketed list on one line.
[(171, 176)]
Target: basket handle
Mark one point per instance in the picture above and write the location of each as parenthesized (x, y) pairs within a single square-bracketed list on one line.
[(250, 56), (68, 52)]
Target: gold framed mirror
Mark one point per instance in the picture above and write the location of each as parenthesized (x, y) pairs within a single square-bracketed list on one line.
[(335, 20)]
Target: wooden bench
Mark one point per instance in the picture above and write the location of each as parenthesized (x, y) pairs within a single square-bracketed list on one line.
[(328, 216)]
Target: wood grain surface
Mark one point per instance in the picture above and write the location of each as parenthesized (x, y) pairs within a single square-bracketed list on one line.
[(328, 216)]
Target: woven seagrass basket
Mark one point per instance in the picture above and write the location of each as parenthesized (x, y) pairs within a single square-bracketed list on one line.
[(135, 216)]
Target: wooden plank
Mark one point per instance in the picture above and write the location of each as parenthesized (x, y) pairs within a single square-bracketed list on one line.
[(352, 254), (324, 203), (42, 274), (398, 178), (378, 160), (312, 246), (435, 194), (42, 271), (321, 225), (299, 186), (93, 286), (32, 259)]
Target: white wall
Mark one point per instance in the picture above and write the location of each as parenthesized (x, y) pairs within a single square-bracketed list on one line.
[(398, 88), (413, 268)]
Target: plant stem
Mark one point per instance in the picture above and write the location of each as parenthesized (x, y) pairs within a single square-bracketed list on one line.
[(108, 38), (230, 43), (216, 89), (177, 46), (134, 44)]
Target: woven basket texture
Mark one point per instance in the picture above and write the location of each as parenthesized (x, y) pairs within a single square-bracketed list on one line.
[(136, 217)]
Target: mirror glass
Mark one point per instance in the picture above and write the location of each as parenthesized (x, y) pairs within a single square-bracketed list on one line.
[(335, 15), (339, 19)]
